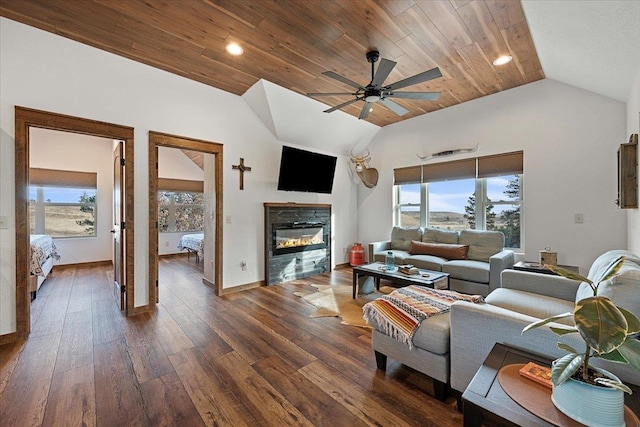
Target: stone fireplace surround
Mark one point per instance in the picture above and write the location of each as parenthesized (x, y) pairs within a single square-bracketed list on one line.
[(296, 262)]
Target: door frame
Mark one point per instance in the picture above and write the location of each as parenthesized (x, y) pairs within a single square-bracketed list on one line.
[(25, 118), (158, 139)]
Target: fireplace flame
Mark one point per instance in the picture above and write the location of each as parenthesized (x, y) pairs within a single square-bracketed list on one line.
[(302, 241)]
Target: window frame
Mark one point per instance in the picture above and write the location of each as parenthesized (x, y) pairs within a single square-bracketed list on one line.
[(40, 216), (173, 207), (482, 200)]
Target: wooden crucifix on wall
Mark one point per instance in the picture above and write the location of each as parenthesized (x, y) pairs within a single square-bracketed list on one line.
[(242, 168)]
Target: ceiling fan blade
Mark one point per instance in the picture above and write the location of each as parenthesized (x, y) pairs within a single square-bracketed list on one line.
[(383, 71), (434, 73), (430, 96), (344, 104), (342, 79), (364, 113), (329, 94), (398, 109)]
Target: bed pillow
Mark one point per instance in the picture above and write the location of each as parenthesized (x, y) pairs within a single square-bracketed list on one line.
[(442, 250)]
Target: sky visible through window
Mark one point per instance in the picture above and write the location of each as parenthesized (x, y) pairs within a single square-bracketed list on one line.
[(452, 196), (60, 195)]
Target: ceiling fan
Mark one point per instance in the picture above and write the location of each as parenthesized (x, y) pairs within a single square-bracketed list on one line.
[(376, 92)]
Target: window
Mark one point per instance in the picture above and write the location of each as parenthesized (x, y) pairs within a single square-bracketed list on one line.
[(62, 203), (482, 194), (180, 211), (180, 205)]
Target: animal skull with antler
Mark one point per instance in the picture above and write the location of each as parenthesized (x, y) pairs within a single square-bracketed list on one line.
[(368, 176)]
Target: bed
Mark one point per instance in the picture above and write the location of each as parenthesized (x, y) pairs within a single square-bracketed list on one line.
[(43, 253), (193, 243)]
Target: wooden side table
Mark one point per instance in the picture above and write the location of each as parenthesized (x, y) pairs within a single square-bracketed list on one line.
[(535, 267), (485, 402)]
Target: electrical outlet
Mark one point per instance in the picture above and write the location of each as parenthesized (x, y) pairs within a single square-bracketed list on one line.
[(578, 218), (4, 222), (243, 265), (166, 244), (228, 219)]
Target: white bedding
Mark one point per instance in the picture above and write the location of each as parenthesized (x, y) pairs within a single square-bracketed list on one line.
[(193, 242), (42, 249)]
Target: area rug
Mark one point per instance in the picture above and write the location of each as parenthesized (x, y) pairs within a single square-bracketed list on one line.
[(337, 301)]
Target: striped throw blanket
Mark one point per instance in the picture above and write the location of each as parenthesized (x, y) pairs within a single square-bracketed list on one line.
[(400, 313)]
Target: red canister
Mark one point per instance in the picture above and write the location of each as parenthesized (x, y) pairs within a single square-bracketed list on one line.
[(357, 255)]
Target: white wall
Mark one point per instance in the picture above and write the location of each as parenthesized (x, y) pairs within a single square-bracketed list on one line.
[(70, 151), (569, 137), (633, 126), (47, 72)]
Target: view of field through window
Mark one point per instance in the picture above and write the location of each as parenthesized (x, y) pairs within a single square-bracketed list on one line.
[(65, 212), (452, 206)]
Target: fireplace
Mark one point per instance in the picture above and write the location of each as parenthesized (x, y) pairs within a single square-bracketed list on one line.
[(298, 237), (297, 241)]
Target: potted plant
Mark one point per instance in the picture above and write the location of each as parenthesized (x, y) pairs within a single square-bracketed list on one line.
[(609, 333)]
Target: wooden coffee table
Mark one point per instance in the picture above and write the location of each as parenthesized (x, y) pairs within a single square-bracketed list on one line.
[(376, 270)]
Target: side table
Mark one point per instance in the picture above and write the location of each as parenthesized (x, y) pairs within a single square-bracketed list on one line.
[(484, 400), (535, 267)]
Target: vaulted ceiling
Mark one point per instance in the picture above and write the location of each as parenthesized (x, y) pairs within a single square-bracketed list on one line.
[(292, 42)]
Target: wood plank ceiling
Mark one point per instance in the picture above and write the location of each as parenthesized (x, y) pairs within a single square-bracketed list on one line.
[(292, 42)]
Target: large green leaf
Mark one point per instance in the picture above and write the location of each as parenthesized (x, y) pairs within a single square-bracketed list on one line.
[(600, 323), (611, 270), (545, 321), (564, 367), (630, 350), (613, 356), (633, 323), (568, 273)]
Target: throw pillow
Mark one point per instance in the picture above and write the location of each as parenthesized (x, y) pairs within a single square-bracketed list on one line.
[(442, 250)]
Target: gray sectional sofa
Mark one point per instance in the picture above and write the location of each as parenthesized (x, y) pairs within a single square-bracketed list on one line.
[(475, 272)]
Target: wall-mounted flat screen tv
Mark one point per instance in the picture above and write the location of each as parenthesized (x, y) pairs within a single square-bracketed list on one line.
[(302, 170)]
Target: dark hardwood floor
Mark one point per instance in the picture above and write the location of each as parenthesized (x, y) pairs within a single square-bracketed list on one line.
[(250, 358)]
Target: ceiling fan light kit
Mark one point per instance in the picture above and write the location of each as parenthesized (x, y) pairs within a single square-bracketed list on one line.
[(375, 92)]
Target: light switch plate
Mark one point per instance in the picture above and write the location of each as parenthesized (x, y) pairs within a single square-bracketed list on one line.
[(4, 222), (578, 218)]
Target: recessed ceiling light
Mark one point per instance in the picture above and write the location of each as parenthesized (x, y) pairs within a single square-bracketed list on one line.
[(504, 59), (234, 49)]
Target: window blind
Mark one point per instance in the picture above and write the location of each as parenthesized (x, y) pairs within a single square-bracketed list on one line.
[(500, 164), (187, 185), (58, 178), (458, 169), (408, 175)]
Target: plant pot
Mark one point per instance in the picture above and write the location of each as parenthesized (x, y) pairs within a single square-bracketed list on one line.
[(589, 404)]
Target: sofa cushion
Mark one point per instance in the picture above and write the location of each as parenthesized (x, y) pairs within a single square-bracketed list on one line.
[(442, 250), (482, 244), (624, 288), (401, 237), (535, 305), (426, 262), (472, 271), (436, 235)]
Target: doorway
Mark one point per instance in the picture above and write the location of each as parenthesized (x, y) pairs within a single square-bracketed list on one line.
[(24, 120), (156, 140)]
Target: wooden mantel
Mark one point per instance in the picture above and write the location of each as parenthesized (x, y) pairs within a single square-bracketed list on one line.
[(295, 205)]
